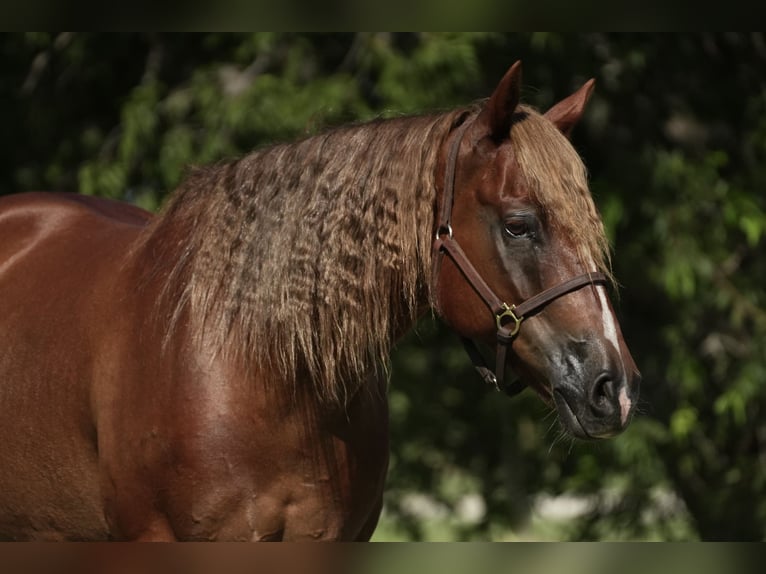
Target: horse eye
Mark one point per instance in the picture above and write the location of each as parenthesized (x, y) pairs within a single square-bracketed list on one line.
[(517, 227)]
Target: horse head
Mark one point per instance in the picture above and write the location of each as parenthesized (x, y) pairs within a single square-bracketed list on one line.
[(518, 233)]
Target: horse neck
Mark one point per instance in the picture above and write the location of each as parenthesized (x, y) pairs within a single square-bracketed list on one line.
[(314, 254)]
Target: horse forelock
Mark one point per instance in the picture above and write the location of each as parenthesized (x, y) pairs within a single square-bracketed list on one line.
[(305, 257), (557, 181)]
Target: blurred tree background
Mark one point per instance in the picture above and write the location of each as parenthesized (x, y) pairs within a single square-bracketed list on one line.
[(675, 141)]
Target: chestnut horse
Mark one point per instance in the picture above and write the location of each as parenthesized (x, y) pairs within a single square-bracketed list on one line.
[(214, 372)]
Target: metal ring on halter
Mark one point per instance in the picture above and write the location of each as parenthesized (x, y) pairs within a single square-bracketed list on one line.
[(509, 312), (446, 228)]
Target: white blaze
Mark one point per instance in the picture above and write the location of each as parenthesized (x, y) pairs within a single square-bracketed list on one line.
[(610, 329), (610, 332), (624, 405)]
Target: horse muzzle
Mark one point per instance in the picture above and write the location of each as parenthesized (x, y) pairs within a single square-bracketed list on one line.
[(600, 406)]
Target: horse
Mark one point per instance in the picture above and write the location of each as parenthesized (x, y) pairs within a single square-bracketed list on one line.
[(218, 371)]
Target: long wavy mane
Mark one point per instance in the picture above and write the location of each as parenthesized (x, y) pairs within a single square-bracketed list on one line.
[(306, 255), (310, 257)]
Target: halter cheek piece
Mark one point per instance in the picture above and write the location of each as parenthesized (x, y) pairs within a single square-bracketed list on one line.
[(508, 318)]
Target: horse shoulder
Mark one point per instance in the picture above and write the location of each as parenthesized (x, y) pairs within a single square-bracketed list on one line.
[(234, 456)]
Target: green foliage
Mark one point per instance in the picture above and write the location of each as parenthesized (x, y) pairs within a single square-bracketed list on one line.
[(675, 139)]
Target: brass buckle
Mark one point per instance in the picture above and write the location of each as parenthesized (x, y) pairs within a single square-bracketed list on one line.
[(509, 312)]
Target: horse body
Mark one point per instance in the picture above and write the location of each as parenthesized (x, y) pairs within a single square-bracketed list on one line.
[(213, 372), (49, 452), (132, 439)]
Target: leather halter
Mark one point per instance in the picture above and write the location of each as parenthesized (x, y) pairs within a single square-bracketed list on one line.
[(507, 317)]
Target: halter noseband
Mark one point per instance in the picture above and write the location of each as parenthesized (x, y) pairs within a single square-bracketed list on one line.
[(507, 317)]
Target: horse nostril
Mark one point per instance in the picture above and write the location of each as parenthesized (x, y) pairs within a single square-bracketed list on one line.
[(603, 394)]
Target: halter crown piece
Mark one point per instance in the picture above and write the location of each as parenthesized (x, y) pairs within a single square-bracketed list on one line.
[(508, 318)]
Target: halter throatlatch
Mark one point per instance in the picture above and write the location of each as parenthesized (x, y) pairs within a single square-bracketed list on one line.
[(508, 318)]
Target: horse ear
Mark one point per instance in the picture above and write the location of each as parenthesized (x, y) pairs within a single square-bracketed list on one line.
[(498, 111), (568, 111)]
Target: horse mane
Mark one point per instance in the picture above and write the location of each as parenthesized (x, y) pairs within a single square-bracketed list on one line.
[(309, 257)]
